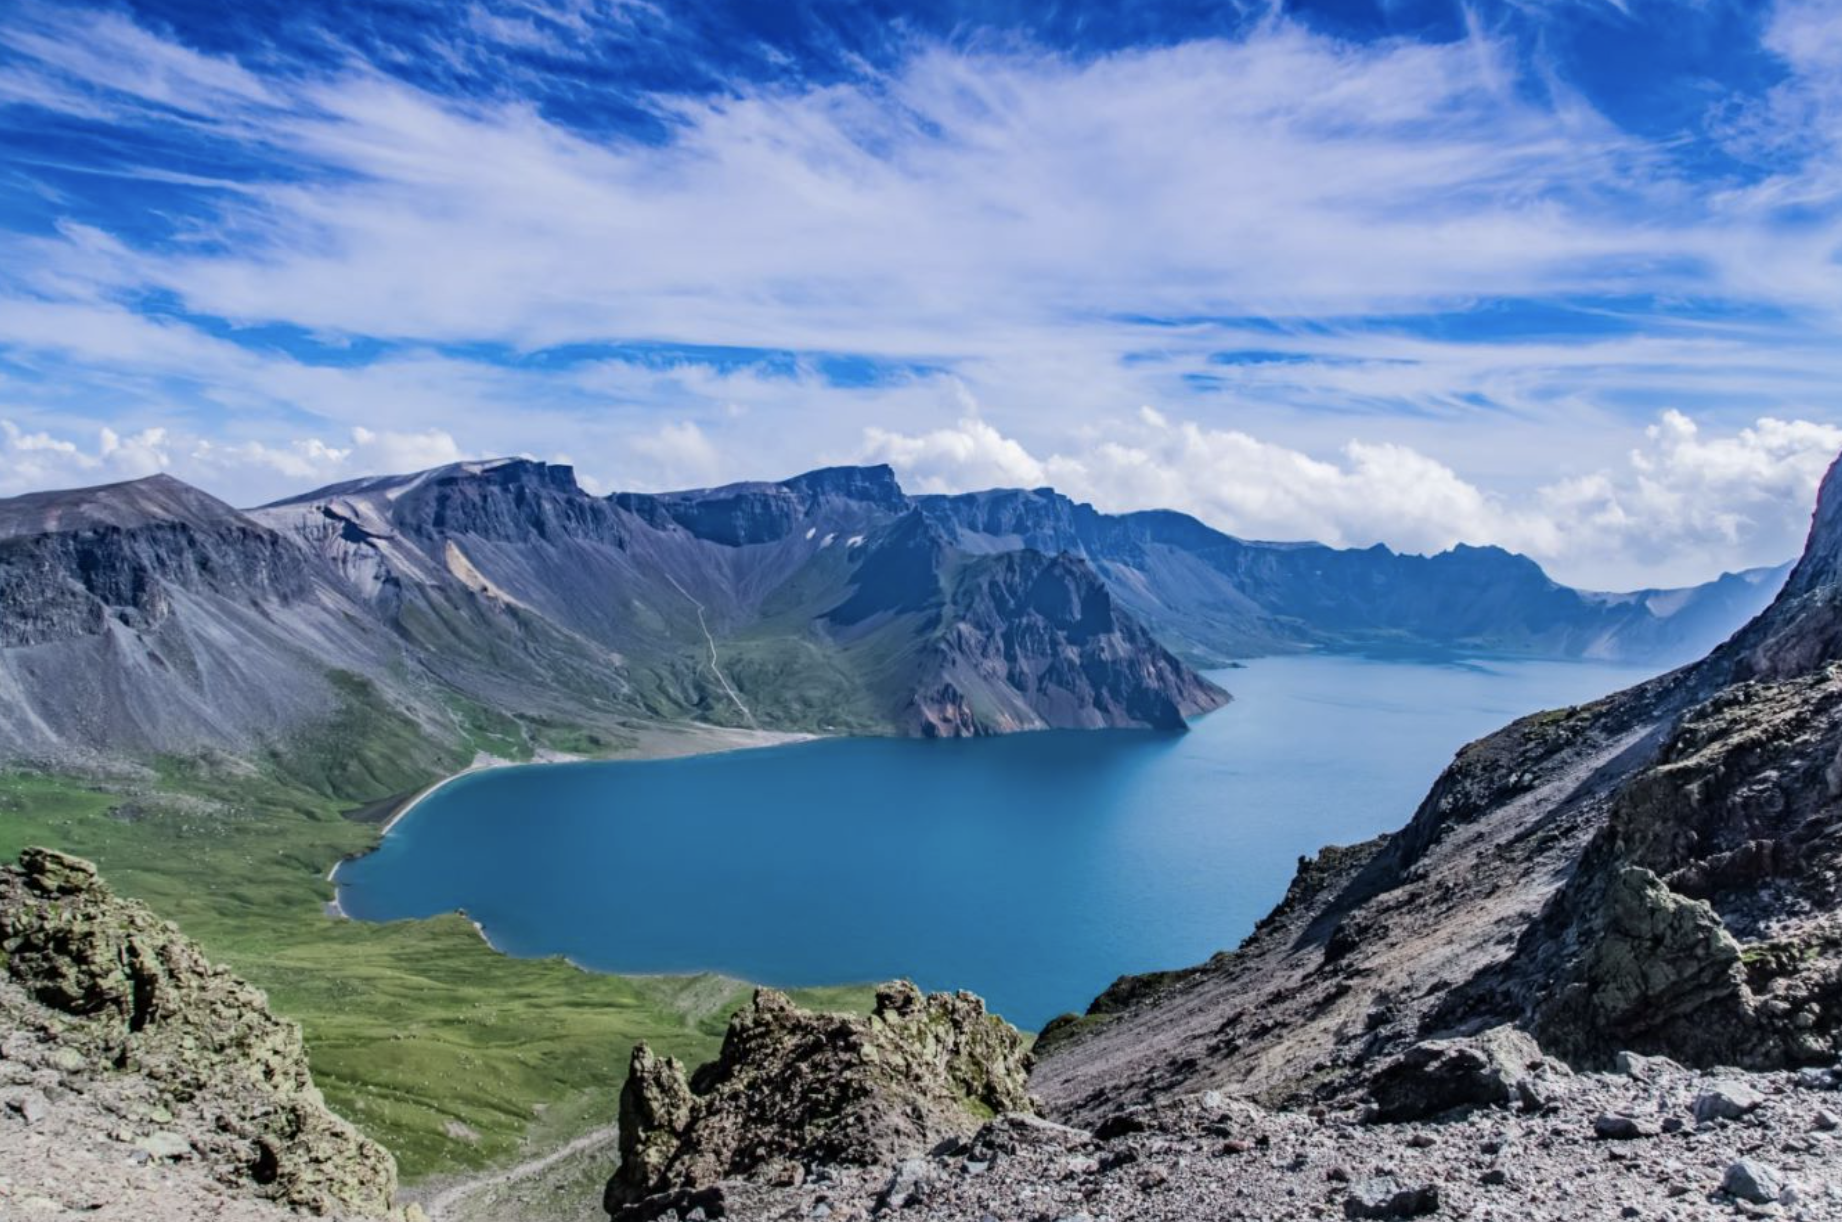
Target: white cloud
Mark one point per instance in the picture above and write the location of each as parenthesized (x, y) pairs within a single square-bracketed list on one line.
[(676, 455), (950, 204), (246, 471), (1214, 227), (1683, 505), (307, 461), (37, 459), (971, 455)]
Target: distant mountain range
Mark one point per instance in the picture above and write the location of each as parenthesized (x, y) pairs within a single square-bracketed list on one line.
[(498, 599)]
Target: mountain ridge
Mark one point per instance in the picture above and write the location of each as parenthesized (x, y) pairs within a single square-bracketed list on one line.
[(502, 584)]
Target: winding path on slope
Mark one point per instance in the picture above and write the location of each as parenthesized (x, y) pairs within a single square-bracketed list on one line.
[(714, 668), (443, 1206)]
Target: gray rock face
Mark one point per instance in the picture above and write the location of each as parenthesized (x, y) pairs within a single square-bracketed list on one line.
[(134, 995), (149, 616), (793, 1089), (1027, 640)]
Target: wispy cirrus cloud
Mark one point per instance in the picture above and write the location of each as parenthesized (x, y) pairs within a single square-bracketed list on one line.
[(1440, 247)]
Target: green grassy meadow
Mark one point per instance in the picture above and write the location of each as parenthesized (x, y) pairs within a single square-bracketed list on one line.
[(430, 1041)]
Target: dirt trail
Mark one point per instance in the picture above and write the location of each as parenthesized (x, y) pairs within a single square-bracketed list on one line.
[(448, 1205), (714, 668)]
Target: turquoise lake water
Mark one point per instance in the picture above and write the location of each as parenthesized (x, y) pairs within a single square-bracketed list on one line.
[(1031, 869)]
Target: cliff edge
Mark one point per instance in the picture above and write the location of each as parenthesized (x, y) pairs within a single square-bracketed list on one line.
[(137, 1078)]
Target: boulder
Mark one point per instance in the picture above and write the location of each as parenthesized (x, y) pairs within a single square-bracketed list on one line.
[(1726, 1101), (792, 1089), (1386, 1197), (1617, 1126), (1437, 1076), (1751, 1180)]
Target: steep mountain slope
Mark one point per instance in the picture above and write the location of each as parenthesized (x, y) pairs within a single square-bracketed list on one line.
[(149, 616), (1210, 594), (823, 600), (1659, 871), (994, 643), (494, 597)]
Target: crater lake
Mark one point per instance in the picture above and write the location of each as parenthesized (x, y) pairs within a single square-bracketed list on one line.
[(1031, 869)]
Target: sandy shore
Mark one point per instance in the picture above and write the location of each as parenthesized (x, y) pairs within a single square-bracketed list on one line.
[(653, 742)]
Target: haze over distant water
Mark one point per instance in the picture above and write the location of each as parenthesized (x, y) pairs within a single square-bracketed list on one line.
[(1032, 869)]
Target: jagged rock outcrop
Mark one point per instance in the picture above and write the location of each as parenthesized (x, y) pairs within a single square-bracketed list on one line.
[(1659, 872), (1657, 970), (793, 1089), (134, 999)]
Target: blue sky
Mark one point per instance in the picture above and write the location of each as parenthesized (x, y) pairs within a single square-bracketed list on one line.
[(1556, 274)]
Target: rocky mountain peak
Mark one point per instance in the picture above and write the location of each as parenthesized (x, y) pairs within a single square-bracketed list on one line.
[(137, 1009), (1821, 564), (793, 1089), (1801, 631), (875, 485), (123, 506), (757, 511)]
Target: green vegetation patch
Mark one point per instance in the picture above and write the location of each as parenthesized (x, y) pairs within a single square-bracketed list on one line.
[(438, 1046)]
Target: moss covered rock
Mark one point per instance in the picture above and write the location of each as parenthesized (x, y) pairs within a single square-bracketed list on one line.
[(141, 998), (793, 1089)]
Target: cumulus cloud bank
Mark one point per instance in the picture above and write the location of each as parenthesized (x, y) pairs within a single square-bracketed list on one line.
[(1681, 506)]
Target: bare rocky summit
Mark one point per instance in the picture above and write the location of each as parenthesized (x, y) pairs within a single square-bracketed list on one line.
[(793, 1090), (131, 1063)]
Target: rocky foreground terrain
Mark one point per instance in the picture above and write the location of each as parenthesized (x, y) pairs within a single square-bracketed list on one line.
[(813, 1116), (139, 1082), (1599, 1146), (1598, 974)]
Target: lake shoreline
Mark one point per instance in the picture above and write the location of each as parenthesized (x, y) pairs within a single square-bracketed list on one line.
[(680, 741), (1048, 863)]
